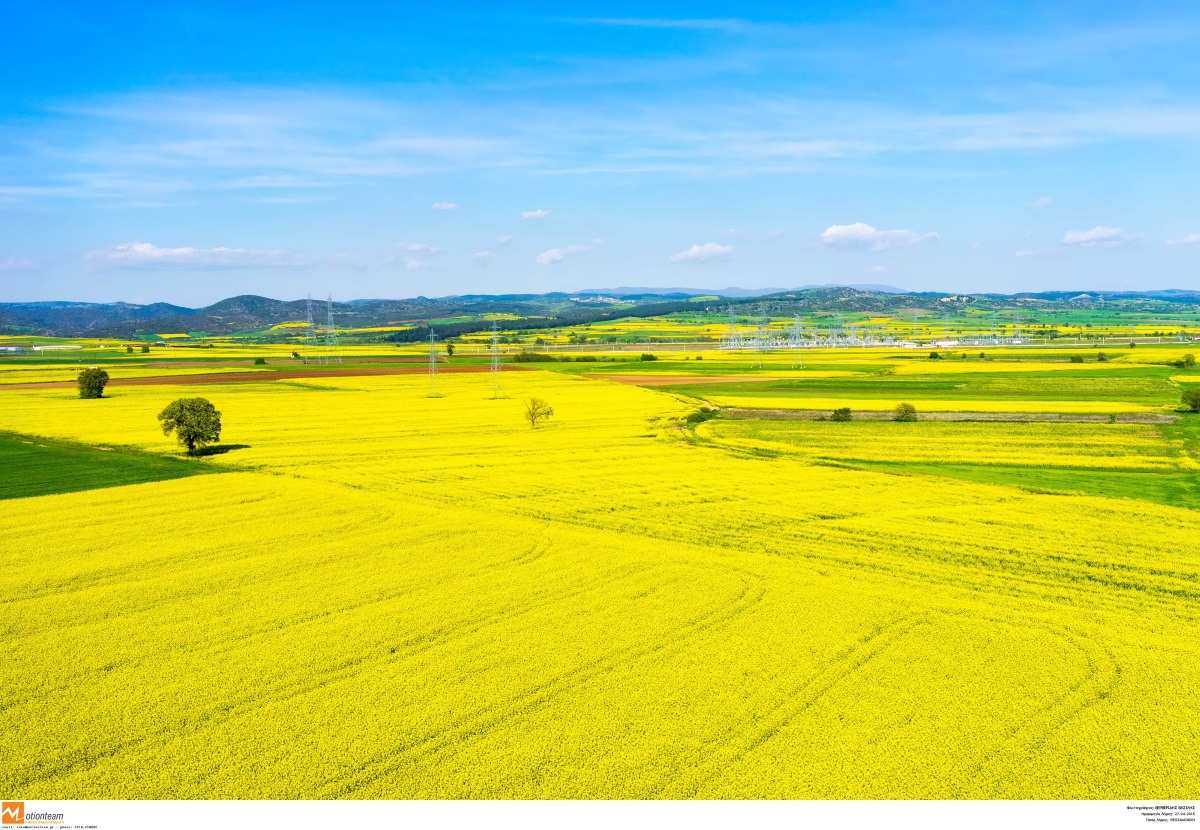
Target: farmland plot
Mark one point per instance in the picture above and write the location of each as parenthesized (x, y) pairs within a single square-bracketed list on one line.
[(395, 595)]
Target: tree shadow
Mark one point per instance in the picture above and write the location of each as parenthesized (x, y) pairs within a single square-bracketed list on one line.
[(219, 449)]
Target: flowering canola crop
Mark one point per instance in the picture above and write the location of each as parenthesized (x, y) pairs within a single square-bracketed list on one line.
[(392, 595)]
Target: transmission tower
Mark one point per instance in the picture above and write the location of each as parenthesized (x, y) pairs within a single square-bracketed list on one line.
[(797, 342), (433, 387), (333, 353), (495, 360), (760, 337), (311, 347)]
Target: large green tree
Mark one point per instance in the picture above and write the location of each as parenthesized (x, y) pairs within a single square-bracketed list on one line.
[(195, 422), (1191, 399), (92, 382)]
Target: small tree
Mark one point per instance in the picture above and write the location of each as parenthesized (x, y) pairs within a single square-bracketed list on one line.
[(536, 410), (449, 350), (1102, 357), (905, 413), (1077, 358), (648, 356), (934, 356), (982, 356), (194, 421), (260, 361), (1188, 361), (842, 414), (145, 349), (128, 349), (1191, 398), (92, 383)]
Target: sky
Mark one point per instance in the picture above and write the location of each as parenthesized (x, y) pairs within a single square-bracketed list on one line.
[(187, 152)]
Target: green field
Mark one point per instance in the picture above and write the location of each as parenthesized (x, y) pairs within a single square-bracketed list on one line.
[(36, 466), (397, 591)]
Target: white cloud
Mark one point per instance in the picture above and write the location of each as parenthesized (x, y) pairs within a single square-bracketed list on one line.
[(708, 252), (1190, 239), (16, 265), (1041, 202), (535, 214), (1024, 253), (559, 254), (482, 258), (860, 236), (143, 256), (445, 206), (775, 232), (876, 269), (504, 240), (1098, 236)]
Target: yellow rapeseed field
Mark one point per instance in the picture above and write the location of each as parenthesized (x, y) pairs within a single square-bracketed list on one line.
[(392, 595)]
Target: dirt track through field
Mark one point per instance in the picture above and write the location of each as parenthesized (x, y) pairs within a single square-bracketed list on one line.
[(817, 414), (263, 376), (681, 380)]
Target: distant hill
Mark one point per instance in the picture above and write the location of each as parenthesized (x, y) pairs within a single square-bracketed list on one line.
[(627, 291), (248, 314), (726, 292)]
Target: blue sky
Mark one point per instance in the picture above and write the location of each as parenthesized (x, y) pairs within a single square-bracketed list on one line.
[(188, 152)]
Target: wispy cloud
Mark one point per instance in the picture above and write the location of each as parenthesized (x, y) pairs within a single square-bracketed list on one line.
[(414, 255), (1041, 203), (554, 255), (16, 265), (482, 258), (505, 239), (445, 206), (535, 214), (280, 143), (1190, 239), (417, 248), (146, 256), (1099, 236), (410, 255), (862, 237), (708, 252)]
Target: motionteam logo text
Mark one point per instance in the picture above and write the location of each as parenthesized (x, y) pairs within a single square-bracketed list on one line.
[(13, 812)]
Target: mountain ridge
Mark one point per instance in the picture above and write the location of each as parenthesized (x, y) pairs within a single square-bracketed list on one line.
[(248, 313)]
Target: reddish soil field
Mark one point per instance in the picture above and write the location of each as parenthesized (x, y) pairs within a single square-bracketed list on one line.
[(677, 380), (262, 376)]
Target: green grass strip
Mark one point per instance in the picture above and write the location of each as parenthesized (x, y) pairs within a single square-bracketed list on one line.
[(34, 466)]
